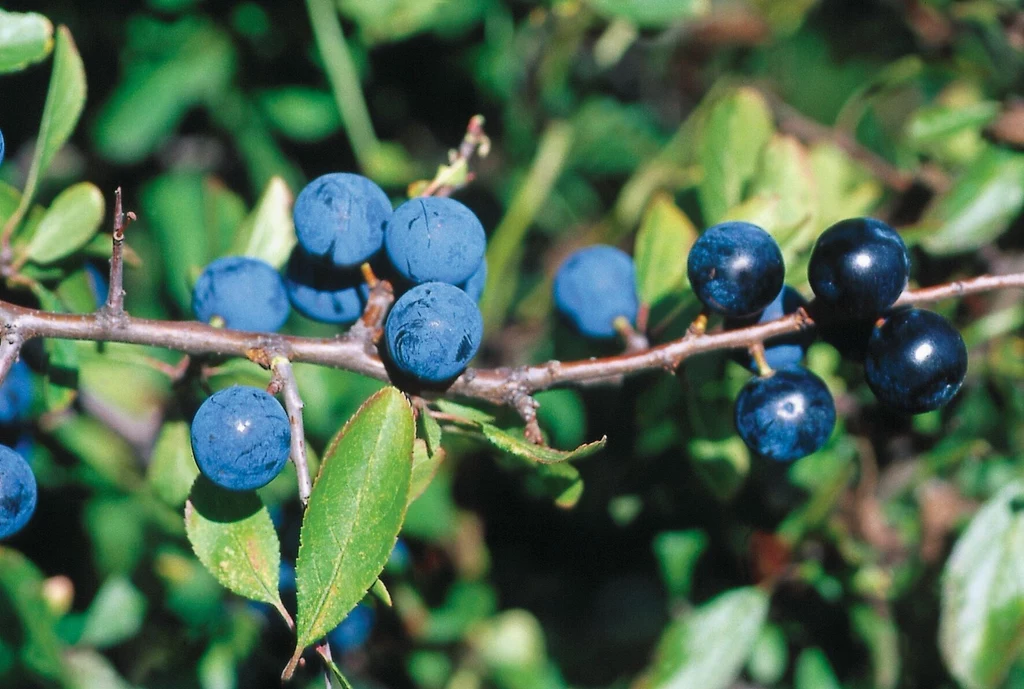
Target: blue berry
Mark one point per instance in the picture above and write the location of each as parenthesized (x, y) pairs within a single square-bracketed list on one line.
[(1, 147), (319, 290), (736, 268), (15, 393), (341, 216), (432, 332), (241, 438), (858, 268), (18, 492), (354, 630), (780, 352), (594, 287), (785, 416), (916, 361), (246, 292), (434, 239), (474, 286)]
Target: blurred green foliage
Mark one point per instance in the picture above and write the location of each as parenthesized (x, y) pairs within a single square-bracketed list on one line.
[(671, 557)]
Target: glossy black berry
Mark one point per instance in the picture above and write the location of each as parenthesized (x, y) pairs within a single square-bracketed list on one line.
[(779, 352), (916, 361), (785, 416), (858, 268), (736, 268)]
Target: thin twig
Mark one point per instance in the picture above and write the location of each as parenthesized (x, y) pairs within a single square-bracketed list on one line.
[(285, 377), (10, 350), (115, 295), (447, 179), (500, 386)]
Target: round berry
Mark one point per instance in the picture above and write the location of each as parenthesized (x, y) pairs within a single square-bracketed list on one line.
[(1, 147), (916, 361), (241, 438), (341, 216), (474, 286), (15, 393), (780, 352), (321, 291), (858, 268), (786, 415), (736, 268), (245, 292), (434, 239), (353, 631), (594, 287), (432, 332), (18, 492)]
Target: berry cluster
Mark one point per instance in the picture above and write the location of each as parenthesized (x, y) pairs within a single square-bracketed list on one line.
[(914, 360), (434, 249)]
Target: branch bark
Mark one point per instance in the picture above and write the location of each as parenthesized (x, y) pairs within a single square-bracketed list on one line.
[(502, 386)]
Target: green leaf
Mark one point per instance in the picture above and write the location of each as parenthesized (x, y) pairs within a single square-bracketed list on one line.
[(813, 671), (707, 647), (88, 669), (652, 14), (425, 463), (172, 471), (785, 173), (980, 205), (939, 122), (769, 657), (71, 221), (665, 237), (430, 430), (269, 232), (677, 553), (354, 514), (173, 68), (737, 128), (25, 619), (300, 113), (232, 535), (471, 414), (62, 361), (520, 447), (561, 482), (116, 614), (24, 38), (723, 464), (194, 219), (64, 102), (881, 636), (981, 622)]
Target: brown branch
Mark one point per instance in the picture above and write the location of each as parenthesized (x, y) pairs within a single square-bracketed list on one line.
[(285, 378), (114, 307), (503, 386)]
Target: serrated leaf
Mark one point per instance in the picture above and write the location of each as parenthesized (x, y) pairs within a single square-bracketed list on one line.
[(464, 411), (172, 471), (664, 240), (25, 37), (982, 605), (707, 647), (430, 431), (652, 13), (354, 514), (979, 206), (232, 535), (72, 220), (524, 449), (268, 233), (425, 464), (737, 128), (27, 623), (65, 99)]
